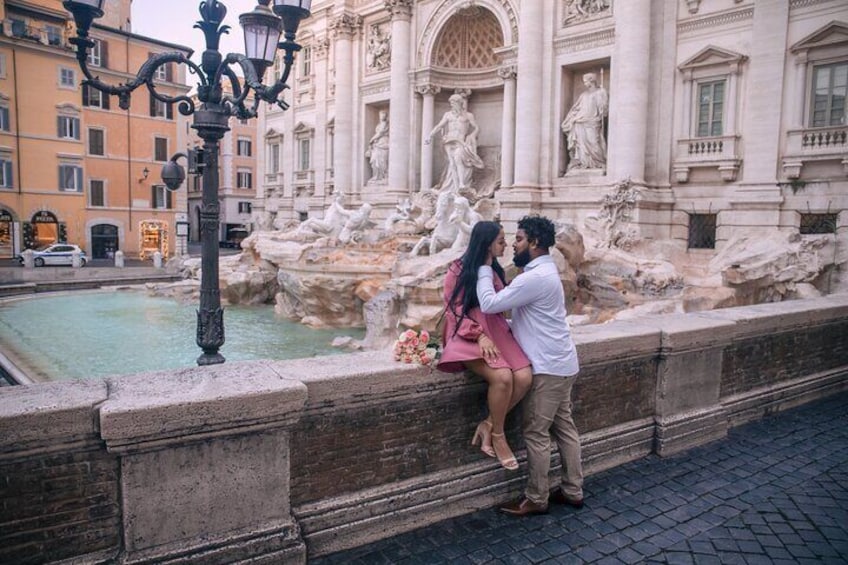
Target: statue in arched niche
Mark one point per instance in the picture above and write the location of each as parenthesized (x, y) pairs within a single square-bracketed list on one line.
[(584, 127), (459, 137), (378, 150)]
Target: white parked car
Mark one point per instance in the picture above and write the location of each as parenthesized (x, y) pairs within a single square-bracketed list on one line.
[(56, 254)]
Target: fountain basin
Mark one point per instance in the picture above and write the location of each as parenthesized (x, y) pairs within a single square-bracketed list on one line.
[(94, 334)]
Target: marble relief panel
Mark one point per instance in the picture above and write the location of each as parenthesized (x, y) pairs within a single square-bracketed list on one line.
[(579, 11), (378, 50)]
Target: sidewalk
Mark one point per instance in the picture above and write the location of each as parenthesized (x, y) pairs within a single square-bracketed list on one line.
[(774, 491)]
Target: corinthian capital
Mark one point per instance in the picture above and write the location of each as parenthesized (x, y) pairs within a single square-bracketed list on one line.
[(508, 72), (426, 89), (346, 24), (400, 8)]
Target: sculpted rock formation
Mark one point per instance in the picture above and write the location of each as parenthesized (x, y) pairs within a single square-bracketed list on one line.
[(349, 272)]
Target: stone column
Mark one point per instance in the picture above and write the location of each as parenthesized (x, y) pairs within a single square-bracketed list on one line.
[(400, 103), (428, 93), (800, 90), (529, 93), (343, 28), (508, 126), (629, 91), (763, 133), (320, 49), (685, 128)]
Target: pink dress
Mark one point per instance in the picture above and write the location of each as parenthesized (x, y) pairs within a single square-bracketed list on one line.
[(461, 345)]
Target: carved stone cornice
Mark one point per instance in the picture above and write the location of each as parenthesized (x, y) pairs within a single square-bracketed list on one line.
[(399, 8), (428, 89), (585, 41), (346, 25), (508, 72), (715, 20)]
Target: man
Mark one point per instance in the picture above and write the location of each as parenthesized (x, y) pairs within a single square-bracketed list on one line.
[(537, 303)]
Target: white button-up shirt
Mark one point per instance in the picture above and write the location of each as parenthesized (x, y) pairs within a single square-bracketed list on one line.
[(538, 315)]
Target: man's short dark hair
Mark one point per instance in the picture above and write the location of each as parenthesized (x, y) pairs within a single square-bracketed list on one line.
[(538, 229)]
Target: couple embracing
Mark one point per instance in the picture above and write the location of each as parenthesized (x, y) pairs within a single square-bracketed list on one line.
[(532, 358)]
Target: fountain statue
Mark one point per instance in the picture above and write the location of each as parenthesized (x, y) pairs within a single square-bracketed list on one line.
[(459, 137), (584, 127), (330, 225)]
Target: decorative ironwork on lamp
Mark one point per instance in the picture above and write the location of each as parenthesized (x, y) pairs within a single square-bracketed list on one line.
[(262, 29)]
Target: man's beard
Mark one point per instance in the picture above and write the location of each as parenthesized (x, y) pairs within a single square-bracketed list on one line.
[(521, 259)]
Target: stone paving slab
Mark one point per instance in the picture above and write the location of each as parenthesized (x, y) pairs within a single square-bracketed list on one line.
[(773, 491)]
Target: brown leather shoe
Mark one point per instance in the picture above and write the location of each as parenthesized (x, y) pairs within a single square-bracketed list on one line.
[(523, 507), (558, 497)]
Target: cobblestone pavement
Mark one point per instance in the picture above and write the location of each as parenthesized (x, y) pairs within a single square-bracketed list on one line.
[(773, 491)]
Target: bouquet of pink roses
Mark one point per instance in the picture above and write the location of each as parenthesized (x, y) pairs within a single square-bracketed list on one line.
[(415, 347)]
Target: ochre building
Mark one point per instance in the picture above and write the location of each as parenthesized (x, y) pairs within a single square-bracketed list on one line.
[(73, 165)]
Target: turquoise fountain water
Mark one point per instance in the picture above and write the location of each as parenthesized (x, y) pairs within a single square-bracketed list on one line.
[(95, 334)]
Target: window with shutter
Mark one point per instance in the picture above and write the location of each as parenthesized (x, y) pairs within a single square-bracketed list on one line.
[(6, 180), (70, 178), (160, 149), (68, 127), (96, 145), (96, 193)]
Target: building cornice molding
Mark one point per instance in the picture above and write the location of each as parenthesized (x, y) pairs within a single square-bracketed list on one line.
[(691, 25)]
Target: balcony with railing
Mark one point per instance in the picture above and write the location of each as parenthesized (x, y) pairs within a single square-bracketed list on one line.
[(815, 144), (719, 152)]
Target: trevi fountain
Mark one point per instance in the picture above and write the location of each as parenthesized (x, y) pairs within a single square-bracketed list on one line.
[(703, 174)]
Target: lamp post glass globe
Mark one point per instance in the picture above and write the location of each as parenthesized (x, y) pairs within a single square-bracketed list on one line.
[(90, 5), (292, 11), (262, 31)]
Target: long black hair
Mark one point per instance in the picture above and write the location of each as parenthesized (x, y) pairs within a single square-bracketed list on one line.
[(482, 236)]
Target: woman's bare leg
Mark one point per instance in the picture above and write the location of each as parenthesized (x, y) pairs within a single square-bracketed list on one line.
[(499, 393), (522, 380)]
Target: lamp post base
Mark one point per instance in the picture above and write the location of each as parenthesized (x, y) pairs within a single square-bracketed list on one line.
[(212, 358)]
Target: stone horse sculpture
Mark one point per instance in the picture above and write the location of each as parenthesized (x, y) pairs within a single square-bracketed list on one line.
[(444, 232)]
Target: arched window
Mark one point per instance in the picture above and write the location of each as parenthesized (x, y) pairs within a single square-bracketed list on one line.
[(469, 40)]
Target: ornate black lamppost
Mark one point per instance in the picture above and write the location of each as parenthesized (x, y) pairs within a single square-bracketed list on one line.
[(262, 30)]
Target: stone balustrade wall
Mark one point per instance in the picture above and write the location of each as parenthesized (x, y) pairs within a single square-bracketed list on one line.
[(274, 461)]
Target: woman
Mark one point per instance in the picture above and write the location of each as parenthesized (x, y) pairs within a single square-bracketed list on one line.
[(483, 343)]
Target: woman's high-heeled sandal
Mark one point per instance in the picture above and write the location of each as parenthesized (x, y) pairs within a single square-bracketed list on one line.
[(483, 436), (503, 452)]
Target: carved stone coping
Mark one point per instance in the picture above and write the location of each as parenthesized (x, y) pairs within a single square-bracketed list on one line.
[(68, 407), (152, 410)]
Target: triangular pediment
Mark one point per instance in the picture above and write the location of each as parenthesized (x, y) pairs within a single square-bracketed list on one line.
[(711, 56), (302, 128), (834, 33), (272, 133)]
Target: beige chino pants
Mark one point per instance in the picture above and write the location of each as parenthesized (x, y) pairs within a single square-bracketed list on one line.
[(547, 410)]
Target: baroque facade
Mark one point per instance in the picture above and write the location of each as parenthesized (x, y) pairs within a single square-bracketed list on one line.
[(723, 114), (74, 166)]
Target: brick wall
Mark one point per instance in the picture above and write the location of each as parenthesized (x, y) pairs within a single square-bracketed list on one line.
[(764, 360), (59, 506)]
